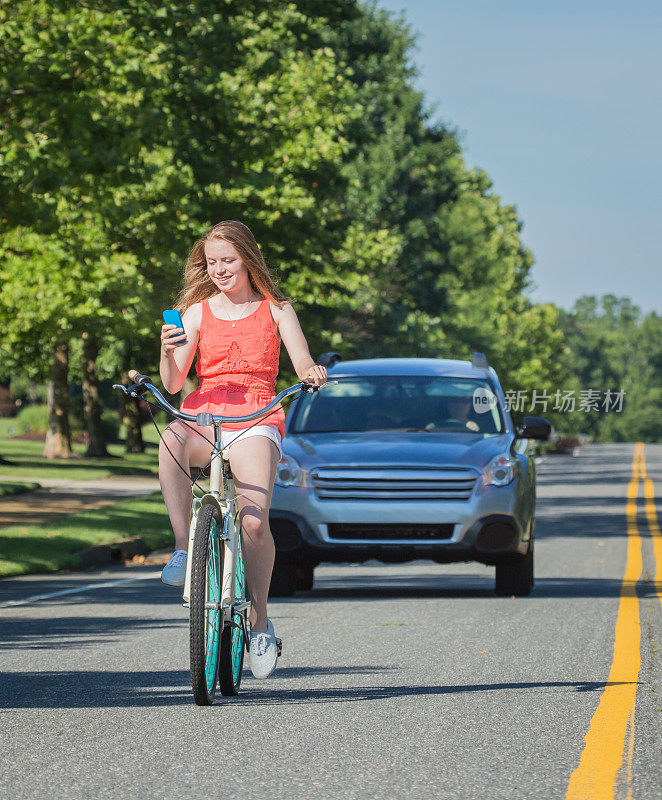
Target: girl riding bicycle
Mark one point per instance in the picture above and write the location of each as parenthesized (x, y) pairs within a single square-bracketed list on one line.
[(234, 317)]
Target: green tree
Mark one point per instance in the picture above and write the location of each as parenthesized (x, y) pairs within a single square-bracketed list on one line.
[(51, 294), (615, 348), (439, 266), (131, 128), (131, 131), (73, 150)]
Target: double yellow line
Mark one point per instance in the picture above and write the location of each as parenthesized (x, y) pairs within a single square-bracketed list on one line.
[(606, 751)]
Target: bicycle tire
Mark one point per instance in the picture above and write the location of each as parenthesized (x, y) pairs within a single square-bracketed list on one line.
[(231, 659), (204, 624)]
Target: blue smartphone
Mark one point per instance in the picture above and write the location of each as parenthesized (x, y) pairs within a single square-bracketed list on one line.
[(172, 317)]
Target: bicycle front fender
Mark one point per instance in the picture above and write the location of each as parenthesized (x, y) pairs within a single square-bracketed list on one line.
[(191, 536), (212, 499)]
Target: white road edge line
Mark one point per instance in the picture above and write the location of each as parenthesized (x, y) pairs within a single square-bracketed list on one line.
[(87, 588)]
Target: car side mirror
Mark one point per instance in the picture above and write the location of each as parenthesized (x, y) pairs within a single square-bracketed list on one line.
[(534, 428)]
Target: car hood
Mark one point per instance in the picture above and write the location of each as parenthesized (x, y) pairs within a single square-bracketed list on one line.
[(415, 448)]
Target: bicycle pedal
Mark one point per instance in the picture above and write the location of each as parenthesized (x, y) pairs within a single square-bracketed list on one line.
[(279, 645)]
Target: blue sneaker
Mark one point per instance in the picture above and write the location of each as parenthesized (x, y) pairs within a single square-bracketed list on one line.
[(174, 572)]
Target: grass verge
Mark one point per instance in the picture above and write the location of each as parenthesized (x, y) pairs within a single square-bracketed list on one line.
[(28, 549), (8, 488), (27, 460)]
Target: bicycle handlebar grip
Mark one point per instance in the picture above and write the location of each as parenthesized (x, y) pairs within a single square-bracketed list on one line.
[(137, 378)]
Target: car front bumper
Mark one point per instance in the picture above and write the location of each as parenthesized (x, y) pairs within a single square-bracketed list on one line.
[(485, 526)]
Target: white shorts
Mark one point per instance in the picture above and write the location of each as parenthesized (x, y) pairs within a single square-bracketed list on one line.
[(271, 431)]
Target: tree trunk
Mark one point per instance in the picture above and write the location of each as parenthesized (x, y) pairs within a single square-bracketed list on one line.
[(96, 440), (131, 420), (58, 435)]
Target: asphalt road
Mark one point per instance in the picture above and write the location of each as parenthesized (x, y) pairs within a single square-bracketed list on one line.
[(410, 681)]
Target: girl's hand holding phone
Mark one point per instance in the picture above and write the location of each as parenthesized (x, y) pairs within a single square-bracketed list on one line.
[(172, 337), (172, 331)]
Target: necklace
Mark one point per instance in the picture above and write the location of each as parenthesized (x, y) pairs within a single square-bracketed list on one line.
[(234, 322)]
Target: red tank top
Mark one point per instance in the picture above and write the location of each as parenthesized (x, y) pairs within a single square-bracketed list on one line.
[(237, 367)]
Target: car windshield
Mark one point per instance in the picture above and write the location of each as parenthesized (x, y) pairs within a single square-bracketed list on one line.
[(400, 403)]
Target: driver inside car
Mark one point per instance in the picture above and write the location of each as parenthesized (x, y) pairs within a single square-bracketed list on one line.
[(459, 407)]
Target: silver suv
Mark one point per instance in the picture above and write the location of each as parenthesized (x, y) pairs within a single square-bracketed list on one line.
[(405, 458)]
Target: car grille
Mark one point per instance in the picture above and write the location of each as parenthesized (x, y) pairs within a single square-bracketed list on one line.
[(388, 532), (417, 483)]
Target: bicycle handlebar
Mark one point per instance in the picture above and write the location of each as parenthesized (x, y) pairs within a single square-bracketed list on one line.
[(142, 383)]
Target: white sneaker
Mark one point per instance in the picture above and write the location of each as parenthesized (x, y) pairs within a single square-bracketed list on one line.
[(263, 652), (174, 572)]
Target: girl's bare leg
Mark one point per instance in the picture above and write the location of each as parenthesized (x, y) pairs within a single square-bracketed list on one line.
[(253, 461), (188, 448)]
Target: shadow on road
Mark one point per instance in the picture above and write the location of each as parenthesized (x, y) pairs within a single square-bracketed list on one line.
[(577, 504), (48, 633), (149, 592), (584, 521), (476, 587), (361, 587), (98, 689), (94, 689), (352, 694), (596, 476)]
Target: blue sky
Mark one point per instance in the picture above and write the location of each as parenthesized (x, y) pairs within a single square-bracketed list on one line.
[(562, 105)]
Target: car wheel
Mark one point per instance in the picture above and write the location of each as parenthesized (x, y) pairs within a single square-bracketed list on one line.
[(514, 574), (283, 579), (304, 577)]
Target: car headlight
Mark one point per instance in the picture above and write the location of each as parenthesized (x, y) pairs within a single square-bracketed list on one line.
[(289, 473), (499, 472)]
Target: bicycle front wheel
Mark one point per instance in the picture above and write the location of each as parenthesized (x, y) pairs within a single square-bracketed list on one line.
[(231, 661), (205, 593)]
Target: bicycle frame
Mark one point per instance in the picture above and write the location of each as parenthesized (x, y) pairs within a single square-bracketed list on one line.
[(221, 494), (221, 489)]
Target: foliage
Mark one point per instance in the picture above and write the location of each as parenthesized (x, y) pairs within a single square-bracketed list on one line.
[(130, 128), (130, 131), (615, 347), (438, 268), (33, 419)]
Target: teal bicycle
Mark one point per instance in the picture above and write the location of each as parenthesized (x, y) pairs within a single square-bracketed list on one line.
[(215, 589)]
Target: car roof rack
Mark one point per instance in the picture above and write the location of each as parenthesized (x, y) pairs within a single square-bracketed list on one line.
[(329, 359), (479, 361)]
